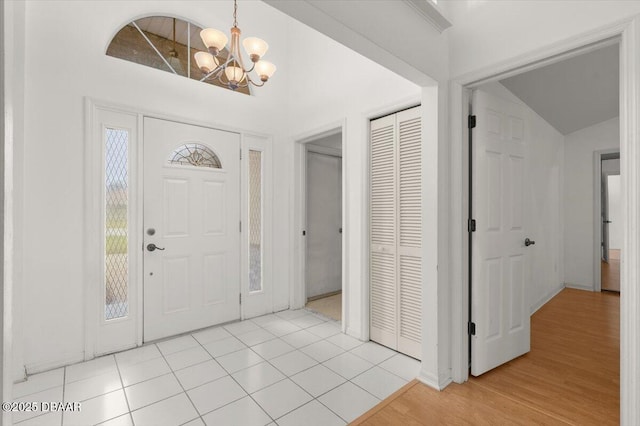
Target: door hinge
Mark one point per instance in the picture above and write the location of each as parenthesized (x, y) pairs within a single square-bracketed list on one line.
[(471, 225), (241, 153), (240, 298), (471, 328), (240, 226), (471, 122)]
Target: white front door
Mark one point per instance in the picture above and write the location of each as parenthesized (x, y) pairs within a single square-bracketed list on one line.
[(191, 214), (499, 255)]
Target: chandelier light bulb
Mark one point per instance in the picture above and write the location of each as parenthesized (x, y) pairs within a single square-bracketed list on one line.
[(255, 48), (265, 70), (214, 40), (234, 74), (206, 62)]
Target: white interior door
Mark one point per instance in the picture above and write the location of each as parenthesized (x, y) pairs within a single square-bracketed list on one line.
[(499, 254), (324, 223), (192, 214)]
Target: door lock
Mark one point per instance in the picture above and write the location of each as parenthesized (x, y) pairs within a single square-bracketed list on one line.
[(528, 242), (153, 247)]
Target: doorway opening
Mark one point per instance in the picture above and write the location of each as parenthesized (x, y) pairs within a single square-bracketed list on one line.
[(532, 187), (323, 229), (609, 196)]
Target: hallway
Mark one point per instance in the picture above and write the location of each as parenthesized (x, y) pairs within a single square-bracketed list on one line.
[(571, 375)]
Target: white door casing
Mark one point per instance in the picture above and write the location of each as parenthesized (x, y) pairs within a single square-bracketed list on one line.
[(500, 261), (111, 335), (194, 212), (324, 223)]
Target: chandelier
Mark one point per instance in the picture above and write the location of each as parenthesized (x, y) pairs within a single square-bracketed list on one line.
[(232, 71)]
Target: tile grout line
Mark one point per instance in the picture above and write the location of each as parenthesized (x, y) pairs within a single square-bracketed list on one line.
[(181, 386), (234, 379), (126, 398), (64, 387)]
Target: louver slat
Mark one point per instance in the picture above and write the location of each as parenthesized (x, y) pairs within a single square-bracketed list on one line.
[(382, 186), (410, 298), (410, 175)]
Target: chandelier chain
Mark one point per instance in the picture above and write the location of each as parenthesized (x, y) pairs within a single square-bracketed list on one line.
[(235, 13)]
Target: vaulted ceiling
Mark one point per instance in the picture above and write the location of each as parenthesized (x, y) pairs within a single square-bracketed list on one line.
[(575, 93)]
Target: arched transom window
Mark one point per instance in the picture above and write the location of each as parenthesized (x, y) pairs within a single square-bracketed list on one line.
[(164, 43), (195, 154)]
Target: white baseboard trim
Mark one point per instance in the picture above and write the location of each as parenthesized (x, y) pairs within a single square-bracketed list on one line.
[(357, 333), (67, 359), (543, 301), (587, 287), (434, 382)]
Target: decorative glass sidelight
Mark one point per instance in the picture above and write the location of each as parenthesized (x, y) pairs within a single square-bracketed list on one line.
[(255, 220), (116, 242)]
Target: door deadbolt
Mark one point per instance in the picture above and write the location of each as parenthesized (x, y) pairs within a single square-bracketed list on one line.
[(151, 231), (153, 247)]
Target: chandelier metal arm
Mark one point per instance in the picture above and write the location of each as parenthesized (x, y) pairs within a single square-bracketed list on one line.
[(233, 69)]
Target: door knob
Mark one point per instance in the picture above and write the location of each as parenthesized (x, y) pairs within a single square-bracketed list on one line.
[(153, 247), (528, 242)]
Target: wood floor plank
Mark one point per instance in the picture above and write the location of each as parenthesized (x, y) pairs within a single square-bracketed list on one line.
[(571, 375)]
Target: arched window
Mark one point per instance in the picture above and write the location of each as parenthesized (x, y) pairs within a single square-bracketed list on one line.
[(195, 154), (164, 43)]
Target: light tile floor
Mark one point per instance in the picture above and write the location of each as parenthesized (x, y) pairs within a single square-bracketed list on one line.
[(293, 368)]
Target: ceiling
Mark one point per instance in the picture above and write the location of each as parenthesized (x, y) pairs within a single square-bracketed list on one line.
[(575, 93)]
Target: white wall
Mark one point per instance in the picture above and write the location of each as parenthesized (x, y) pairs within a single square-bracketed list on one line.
[(322, 92), (615, 213), (306, 93), (578, 189), (56, 81), (488, 32), (545, 208)]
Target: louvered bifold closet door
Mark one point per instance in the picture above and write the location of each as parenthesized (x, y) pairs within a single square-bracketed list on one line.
[(409, 125), (396, 231), (383, 232)]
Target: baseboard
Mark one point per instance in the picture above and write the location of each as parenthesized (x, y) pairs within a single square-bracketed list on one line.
[(587, 287), (434, 382), (67, 359), (543, 301), (354, 333), (322, 296)]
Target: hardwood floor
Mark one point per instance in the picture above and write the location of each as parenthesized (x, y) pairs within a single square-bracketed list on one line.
[(571, 376), (330, 306), (610, 272)]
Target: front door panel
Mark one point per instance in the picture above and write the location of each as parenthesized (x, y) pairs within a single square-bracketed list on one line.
[(191, 216)]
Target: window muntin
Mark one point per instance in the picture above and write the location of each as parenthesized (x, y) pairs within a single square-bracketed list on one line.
[(116, 243), (195, 154), (255, 221)]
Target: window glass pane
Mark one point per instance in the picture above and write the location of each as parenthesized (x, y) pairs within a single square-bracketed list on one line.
[(116, 223), (195, 154), (255, 220)]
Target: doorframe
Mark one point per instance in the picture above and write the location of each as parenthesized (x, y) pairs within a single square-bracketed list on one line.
[(93, 171), (597, 211), (627, 33), (298, 291)]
